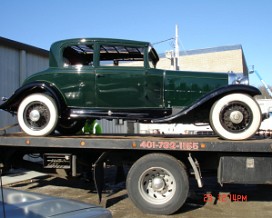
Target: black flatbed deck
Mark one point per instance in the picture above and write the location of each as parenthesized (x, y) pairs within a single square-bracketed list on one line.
[(140, 142)]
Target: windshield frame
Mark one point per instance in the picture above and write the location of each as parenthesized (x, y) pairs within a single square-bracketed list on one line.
[(153, 57)]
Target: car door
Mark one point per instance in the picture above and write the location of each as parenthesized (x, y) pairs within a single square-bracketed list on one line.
[(75, 76), (154, 89), (121, 87), (120, 77)]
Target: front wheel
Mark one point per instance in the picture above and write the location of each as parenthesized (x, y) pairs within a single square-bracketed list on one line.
[(158, 184), (38, 115), (235, 117)]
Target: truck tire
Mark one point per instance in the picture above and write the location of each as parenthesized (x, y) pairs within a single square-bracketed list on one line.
[(158, 184), (235, 117), (38, 115)]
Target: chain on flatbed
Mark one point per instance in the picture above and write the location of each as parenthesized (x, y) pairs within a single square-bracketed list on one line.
[(3, 130), (264, 133)]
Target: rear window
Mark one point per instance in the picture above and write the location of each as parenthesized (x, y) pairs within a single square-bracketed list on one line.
[(78, 55)]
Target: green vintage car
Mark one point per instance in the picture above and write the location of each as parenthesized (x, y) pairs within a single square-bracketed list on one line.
[(97, 78)]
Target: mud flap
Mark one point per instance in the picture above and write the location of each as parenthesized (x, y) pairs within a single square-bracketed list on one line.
[(98, 174)]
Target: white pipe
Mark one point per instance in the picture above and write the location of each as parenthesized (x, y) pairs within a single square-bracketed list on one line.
[(176, 62)]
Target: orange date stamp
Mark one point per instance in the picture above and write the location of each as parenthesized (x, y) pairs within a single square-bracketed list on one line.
[(225, 197)]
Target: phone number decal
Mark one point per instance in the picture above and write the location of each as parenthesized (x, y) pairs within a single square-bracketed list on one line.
[(169, 145)]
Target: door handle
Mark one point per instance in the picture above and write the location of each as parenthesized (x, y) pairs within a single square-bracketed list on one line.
[(98, 75)]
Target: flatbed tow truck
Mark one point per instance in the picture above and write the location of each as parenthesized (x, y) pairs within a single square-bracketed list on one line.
[(158, 179)]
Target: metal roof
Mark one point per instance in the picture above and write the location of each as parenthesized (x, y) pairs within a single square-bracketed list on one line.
[(21, 46), (100, 40)]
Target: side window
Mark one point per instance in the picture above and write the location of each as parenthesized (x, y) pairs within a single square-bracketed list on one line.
[(118, 55), (75, 55)]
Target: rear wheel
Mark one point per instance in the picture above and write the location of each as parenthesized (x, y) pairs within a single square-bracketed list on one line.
[(235, 117), (38, 115), (158, 184), (70, 127)]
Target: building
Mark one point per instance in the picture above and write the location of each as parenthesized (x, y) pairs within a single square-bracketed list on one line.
[(17, 61), (216, 59)]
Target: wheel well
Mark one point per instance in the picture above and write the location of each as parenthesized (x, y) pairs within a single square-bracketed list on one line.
[(199, 110), (130, 157), (200, 113), (13, 103)]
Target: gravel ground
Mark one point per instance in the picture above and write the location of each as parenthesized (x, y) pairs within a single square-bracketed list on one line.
[(210, 201)]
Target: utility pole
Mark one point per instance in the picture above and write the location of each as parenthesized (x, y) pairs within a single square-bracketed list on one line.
[(173, 55), (176, 61)]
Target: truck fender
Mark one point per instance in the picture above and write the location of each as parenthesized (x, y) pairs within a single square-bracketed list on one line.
[(12, 104), (203, 105)]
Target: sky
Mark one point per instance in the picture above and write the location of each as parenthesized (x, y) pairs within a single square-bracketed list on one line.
[(202, 24)]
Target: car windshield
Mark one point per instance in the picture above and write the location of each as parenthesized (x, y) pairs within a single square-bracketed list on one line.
[(152, 57)]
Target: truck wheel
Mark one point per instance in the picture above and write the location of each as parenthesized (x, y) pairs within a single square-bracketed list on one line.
[(38, 115), (235, 117), (158, 184)]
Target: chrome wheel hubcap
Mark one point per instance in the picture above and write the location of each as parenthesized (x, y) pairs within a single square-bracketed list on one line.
[(34, 115), (158, 184), (236, 117)]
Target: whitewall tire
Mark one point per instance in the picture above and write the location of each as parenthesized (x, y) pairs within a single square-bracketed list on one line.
[(38, 115), (235, 116)]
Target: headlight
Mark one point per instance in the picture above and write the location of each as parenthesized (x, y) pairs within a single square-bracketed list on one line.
[(244, 80), (4, 98), (238, 78)]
